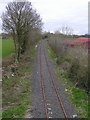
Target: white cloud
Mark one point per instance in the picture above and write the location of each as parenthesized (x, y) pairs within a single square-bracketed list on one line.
[(56, 13)]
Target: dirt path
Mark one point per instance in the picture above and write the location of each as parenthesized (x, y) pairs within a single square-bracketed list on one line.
[(49, 99)]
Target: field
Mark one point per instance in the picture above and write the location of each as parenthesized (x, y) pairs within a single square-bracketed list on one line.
[(7, 47)]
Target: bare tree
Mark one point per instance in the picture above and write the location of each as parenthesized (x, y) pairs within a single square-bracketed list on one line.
[(19, 19), (66, 30)]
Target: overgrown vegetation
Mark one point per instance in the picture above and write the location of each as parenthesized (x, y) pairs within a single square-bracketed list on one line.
[(20, 20), (16, 86), (78, 96), (72, 69), (73, 60), (16, 92), (21, 23)]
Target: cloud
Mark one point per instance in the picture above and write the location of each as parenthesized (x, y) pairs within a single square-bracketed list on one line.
[(59, 12), (56, 13)]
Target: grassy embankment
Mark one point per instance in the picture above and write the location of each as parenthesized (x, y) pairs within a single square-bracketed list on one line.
[(78, 97), (16, 89)]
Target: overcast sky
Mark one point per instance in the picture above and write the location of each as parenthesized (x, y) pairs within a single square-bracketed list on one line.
[(57, 13)]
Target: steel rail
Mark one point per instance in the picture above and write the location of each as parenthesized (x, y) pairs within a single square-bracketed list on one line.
[(43, 89), (59, 98)]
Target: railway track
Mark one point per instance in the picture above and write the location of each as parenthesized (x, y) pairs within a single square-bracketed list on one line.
[(43, 89), (42, 50)]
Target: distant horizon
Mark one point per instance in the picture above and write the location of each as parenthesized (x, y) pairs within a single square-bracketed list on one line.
[(50, 32)]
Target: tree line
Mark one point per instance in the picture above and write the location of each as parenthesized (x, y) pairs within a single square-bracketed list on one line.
[(20, 20)]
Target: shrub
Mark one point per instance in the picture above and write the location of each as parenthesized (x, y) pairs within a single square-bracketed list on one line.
[(79, 66), (57, 44), (75, 58)]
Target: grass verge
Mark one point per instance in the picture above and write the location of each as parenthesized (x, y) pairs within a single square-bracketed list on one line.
[(78, 96), (16, 92), (16, 89), (51, 53)]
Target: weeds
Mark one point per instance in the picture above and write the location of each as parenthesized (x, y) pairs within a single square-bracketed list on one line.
[(52, 54), (78, 96), (16, 89), (79, 67), (16, 92), (57, 44), (17, 112), (73, 60)]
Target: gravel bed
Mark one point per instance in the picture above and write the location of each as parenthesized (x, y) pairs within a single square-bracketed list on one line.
[(53, 105)]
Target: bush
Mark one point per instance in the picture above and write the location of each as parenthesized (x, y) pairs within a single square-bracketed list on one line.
[(75, 58), (57, 44), (79, 67)]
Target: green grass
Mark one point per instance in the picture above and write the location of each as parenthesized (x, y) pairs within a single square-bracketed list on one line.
[(62, 59), (17, 112), (51, 53), (16, 90), (7, 47), (78, 97), (17, 100)]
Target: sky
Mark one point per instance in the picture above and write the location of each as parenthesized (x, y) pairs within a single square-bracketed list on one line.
[(57, 13)]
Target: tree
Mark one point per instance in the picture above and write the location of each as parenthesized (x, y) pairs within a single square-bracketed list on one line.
[(66, 30), (18, 20)]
